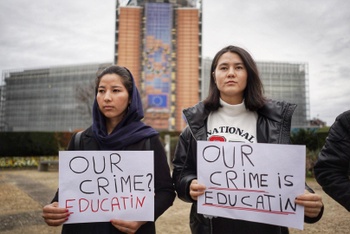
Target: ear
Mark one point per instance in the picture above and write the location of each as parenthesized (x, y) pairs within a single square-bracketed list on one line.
[(213, 74)]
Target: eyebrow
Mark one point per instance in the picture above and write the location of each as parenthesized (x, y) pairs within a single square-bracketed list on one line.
[(226, 63), (114, 86)]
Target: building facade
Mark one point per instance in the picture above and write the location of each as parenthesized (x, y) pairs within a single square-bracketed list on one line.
[(288, 82), (3, 126), (206, 65), (48, 99), (160, 42), (60, 98)]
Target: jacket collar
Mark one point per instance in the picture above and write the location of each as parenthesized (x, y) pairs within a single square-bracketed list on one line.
[(196, 119), (274, 115)]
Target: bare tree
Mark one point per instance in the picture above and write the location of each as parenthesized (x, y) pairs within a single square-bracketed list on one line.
[(85, 95)]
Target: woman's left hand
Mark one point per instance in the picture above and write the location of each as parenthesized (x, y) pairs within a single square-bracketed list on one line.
[(129, 227), (312, 203)]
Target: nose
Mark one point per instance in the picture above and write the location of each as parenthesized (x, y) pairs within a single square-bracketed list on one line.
[(231, 72), (107, 96)]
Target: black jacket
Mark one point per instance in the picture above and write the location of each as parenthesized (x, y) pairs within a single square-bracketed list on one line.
[(164, 190), (333, 164), (273, 126)]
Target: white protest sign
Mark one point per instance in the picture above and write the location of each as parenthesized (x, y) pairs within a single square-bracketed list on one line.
[(253, 182), (97, 186)]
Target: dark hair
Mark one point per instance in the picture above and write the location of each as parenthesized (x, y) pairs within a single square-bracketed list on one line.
[(120, 71), (253, 93)]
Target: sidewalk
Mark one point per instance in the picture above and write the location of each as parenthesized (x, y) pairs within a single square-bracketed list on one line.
[(23, 193)]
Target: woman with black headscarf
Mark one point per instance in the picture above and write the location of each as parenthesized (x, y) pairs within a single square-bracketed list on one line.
[(117, 115)]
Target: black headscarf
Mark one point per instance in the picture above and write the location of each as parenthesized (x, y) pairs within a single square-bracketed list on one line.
[(129, 131)]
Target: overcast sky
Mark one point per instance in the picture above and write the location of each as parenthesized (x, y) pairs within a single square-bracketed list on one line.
[(41, 33)]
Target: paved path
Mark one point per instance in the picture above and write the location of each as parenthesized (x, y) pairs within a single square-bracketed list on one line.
[(36, 190), (22, 195)]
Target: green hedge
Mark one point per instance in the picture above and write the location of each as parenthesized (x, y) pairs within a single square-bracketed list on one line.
[(32, 143), (24, 144)]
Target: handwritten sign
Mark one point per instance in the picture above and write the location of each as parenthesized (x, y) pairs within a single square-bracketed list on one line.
[(253, 182), (97, 186)]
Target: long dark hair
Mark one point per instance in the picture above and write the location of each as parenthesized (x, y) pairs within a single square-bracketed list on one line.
[(253, 94)]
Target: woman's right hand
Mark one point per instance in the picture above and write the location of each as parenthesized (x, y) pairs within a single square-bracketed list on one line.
[(196, 189), (55, 216)]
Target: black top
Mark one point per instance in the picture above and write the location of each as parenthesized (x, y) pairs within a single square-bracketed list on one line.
[(164, 190)]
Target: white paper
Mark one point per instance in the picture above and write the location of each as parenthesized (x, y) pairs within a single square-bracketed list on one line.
[(97, 186), (253, 182)]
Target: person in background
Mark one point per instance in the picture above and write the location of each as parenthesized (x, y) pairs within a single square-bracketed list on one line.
[(116, 125), (235, 100), (333, 164)]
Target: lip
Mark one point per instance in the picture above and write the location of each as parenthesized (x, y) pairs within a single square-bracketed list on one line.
[(108, 107), (231, 82)]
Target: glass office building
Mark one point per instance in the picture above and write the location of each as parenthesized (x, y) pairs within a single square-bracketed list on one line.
[(48, 99), (2, 106), (206, 65), (60, 98), (288, 82)]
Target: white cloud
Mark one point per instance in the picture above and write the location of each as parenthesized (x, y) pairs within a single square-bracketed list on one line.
[(48, 33)]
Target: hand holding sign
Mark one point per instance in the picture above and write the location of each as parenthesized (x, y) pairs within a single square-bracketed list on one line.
[(196, 189), (127, 226), (54, 215)]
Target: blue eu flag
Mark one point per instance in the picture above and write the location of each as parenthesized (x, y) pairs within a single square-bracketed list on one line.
[(157, 100)]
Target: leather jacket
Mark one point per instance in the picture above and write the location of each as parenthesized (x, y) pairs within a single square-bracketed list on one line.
[(273, 126), (333, 164)]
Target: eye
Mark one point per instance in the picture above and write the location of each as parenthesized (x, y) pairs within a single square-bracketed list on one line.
[(223, 68), (116, 90), (101, 91), (239, 68)]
